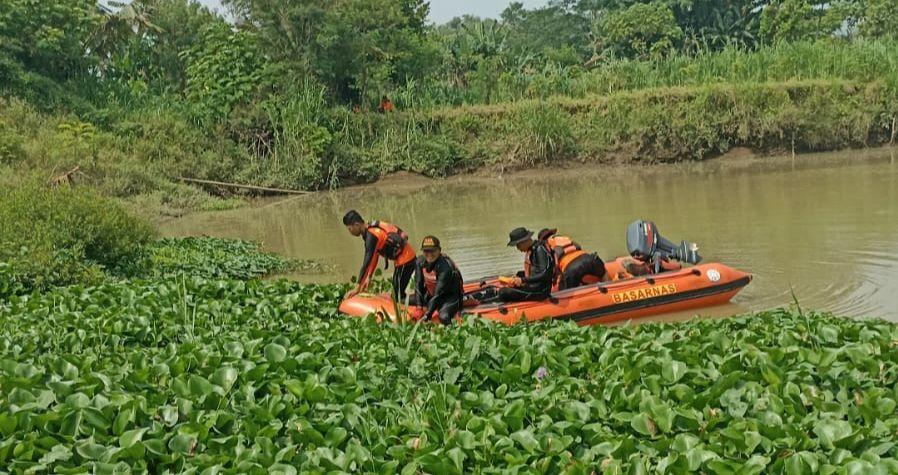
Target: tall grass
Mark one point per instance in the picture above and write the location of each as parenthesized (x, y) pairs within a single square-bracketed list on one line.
[(831, 59), (859, 60)]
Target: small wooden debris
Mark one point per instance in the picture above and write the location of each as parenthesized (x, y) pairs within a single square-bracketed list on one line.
[(263, 189)]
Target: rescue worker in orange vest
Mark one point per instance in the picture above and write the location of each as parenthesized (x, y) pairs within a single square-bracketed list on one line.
[(385, 240), (535, 281), (438, 283), (574, 266)]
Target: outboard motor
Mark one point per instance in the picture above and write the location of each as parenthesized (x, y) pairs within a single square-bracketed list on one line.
[(648, 245)]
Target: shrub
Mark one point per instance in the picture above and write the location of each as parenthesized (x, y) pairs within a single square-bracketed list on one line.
[(435, 156), (11, 151), (545, 134), (61, 236)]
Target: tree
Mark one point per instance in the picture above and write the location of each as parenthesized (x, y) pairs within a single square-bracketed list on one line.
[(49, 37), (224, 70), (368, 46), (794, 20), (643, 30), (288, 31), (358, 48), (544, 31), (880, 19)]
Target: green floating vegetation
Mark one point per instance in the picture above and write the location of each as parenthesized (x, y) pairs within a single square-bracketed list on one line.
[(224, 376), (217, 258)]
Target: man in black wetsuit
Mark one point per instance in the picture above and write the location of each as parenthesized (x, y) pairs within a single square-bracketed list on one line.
[(438, 283), (386, 240), (535, 281)]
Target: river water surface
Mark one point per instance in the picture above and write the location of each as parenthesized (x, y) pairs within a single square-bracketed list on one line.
[(824, 226)]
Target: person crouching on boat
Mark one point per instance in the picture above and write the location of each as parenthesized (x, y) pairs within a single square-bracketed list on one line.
[(438, 284), (573, 266), (386, 240), (535, 281)]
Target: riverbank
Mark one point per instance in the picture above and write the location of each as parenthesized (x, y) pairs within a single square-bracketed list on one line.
[(800, 97), (256, 376)]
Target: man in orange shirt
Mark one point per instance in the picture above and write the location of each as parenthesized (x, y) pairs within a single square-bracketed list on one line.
[(385, 105)]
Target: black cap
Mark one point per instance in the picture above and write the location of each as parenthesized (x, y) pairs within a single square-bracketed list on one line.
[(430, 243), (519, 235)]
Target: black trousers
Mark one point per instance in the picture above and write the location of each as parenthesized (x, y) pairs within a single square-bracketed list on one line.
[(585, 265), (446, 312), (402, 275), (520, 294)]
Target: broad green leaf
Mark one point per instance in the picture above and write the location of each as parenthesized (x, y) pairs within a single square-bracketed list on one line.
[(577, 411), (457, 457), (526, 439), (335, 436), (673, 370), (830, 431), (59, 453), (199, 386), (275, 353), (182, 443), (643, 424), (465, 439), (225, 377), (294, 386), (131, 437), (91, 451)]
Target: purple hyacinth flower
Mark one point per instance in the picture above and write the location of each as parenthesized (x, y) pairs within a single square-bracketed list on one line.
[(541, 373)]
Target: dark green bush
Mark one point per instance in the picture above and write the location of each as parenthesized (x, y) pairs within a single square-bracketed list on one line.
[(66, 235)]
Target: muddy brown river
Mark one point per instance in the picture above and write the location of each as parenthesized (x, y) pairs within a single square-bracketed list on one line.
[(824, 226)]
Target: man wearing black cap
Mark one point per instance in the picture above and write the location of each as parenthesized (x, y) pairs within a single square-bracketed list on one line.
[(535, 282), (438, 282)]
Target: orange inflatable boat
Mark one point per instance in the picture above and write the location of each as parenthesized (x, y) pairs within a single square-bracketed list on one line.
[(702, 285)]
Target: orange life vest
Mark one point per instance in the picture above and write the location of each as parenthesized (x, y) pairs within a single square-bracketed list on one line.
[(430, 276), (565, 251), (392, 242)]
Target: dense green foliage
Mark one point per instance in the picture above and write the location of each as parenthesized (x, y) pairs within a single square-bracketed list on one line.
[(62, 236), (134, 159), (287, 94), (249, 377), (643, 30)]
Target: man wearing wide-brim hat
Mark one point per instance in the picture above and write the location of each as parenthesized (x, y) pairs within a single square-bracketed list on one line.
[(535, 281)]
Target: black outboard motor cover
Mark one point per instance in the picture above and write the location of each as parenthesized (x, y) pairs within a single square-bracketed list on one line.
[(645, 243)]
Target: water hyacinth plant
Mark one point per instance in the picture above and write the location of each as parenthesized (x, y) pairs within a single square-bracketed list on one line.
[(219, 376), (212, 258)]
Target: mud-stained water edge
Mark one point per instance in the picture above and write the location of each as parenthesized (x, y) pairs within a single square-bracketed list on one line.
[(824, 226)]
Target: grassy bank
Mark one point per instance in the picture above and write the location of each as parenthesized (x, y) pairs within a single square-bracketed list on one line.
[(651, 125), (794, 97), (254, 377)]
